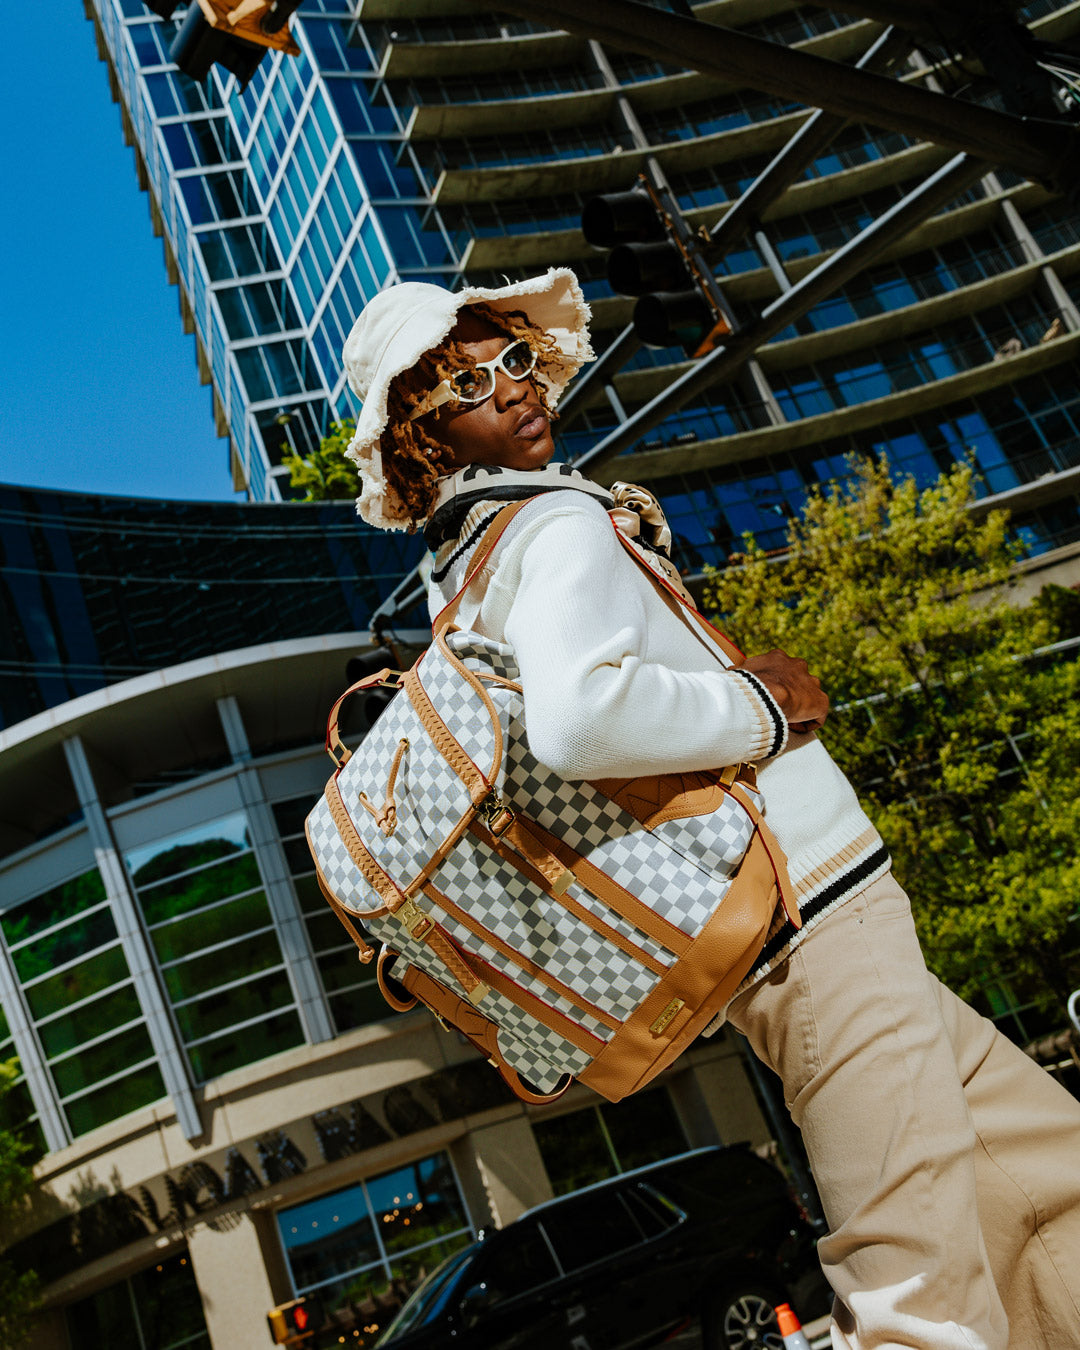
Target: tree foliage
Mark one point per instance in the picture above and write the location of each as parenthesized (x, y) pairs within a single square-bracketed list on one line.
[(18, 1289), (325, 474), (965, 749)]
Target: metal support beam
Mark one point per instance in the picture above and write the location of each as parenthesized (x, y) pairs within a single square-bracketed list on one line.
[(1041, 149), (598, 375), (778, 175), (857, 253), (811, 138)]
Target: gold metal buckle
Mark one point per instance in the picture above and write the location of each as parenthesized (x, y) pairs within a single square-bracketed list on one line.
[(414, 919), (497, 816)]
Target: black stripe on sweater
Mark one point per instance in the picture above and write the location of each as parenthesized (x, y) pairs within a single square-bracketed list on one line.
[(474, 536), (770, 705), (847, 882)]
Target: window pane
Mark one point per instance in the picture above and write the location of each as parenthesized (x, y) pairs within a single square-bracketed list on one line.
[(91, 1020), (102, 1061), (65, 944), (518, 1265), (173, 898), (89, 977), (216, 1012), (257, 1042), (159, 1308), (331, 1242), (590, 1231), (574, 1150), (644, 1129), (117, 1099), (181, 852), (204, 973), (62, 902), (219, 924)]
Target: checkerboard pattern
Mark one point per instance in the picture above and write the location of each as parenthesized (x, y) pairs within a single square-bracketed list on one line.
[(531, 922), (459, 706), (681, 869)]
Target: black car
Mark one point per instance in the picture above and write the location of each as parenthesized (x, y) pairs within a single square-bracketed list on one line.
[(714, 1234)]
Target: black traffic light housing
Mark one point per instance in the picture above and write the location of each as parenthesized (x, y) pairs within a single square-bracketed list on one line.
[(293, 1322), (235, 34), (658, 258)]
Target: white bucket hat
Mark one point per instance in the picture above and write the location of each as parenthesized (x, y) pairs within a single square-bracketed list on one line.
[(400, 324)]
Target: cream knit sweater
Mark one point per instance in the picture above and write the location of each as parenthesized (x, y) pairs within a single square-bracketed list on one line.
[(616, 685)]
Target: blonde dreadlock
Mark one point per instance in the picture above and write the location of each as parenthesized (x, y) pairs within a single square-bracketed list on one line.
[(413, 460)]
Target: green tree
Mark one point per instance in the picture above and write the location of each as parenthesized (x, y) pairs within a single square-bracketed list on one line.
[(18, 1290), (965, 749), (325, 474)]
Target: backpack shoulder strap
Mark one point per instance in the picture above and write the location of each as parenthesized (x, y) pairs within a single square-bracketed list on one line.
[(680, 604), (481, 553)]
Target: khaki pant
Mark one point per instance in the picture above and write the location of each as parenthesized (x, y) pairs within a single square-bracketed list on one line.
[(948, 1162)]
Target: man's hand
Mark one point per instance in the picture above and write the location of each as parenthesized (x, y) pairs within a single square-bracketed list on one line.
[(802, 700)]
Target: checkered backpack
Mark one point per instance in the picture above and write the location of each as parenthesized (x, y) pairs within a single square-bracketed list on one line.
[(569, 929)]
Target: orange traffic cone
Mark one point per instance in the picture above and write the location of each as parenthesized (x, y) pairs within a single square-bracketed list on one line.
[(791, 1328)]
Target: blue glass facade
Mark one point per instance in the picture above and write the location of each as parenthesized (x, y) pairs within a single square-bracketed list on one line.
[(94, 590)]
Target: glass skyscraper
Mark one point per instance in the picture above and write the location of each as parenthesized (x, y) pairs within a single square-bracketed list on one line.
[(439, 141)]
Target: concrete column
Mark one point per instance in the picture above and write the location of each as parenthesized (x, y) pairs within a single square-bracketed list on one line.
[(509, 1167), (730, 1100), (692, 1108), (300, 964), (1049, 281), (1060, 298), (135, 943), (756, 383), (231, 1269), (1019, 230)]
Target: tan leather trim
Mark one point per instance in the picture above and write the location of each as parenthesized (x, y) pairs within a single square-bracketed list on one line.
[(665, 796), (705, 979), (379, 881), (538, 972), (365, 950), (479, 1030), (382, 978), (613, 895), (443, 739), (554, 1020), (776, 854), (578, 910), (473, 680), (521, 839), (683, 607)]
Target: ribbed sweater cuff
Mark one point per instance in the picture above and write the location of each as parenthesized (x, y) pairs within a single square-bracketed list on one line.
[(773, 725)]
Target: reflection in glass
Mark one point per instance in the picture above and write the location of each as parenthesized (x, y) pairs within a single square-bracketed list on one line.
[(158, 1308), (368, 1245), (213, 934), (601, 1141)]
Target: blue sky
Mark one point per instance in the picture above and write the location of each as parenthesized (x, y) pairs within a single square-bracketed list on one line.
[(100, 388)]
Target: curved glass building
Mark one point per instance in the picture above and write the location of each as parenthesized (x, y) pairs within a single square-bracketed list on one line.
[(224, 1111)]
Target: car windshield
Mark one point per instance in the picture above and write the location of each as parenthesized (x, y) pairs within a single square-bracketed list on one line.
[(428, 1296)]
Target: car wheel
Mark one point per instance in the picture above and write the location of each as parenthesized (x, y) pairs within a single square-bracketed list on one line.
[(743, 1319)]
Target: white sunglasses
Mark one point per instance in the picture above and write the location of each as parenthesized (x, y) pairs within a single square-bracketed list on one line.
[(517, 359)]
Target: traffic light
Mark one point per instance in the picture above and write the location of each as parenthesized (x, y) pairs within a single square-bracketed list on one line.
[(235, 34), (658, 258), (294, 1322)]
